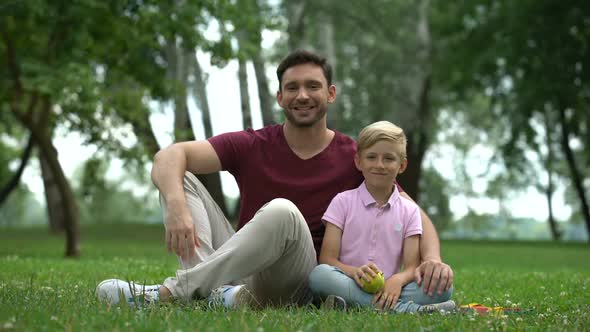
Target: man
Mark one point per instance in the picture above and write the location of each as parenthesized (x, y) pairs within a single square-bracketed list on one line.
[(287, 175)]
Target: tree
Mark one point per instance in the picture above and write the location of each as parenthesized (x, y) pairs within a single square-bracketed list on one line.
[(91, 67), (527, 56)]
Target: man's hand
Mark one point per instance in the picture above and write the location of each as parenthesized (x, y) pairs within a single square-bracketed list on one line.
[(181, 235), (432, 273)]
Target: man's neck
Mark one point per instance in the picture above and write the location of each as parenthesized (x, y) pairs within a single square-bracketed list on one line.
[(306, 142)]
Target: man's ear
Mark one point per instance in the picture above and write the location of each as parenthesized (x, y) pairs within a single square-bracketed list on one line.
[(279, 96), (331, 93), (357, 161), (403, 166)]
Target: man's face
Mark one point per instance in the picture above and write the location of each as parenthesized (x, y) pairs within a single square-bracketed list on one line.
[(305, 95)]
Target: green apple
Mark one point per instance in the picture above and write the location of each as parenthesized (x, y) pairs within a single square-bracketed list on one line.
[(375, 285)]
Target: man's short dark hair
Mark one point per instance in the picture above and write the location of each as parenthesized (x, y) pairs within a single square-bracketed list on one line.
[(300, 57)]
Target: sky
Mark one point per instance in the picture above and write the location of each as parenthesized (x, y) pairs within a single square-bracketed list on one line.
[(224, 102)]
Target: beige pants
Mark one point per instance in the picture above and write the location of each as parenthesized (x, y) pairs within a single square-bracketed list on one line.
[(272, 254)]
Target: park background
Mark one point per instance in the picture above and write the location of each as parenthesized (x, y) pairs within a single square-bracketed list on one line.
[(493, 96)]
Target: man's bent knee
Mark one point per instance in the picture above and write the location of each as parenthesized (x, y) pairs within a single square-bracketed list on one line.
[(281, 210)]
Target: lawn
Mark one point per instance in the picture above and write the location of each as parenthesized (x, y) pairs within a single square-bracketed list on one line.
[(40, 290)]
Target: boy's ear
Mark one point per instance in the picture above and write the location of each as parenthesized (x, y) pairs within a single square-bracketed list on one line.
[(403, 166), (357, 161)]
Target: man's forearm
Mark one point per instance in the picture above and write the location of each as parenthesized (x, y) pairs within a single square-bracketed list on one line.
[(429, 242), (168, 171)]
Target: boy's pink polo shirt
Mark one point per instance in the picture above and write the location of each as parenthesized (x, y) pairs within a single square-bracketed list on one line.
[(370, 233)]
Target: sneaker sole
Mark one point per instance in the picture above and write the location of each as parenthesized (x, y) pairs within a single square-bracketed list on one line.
[(333, 302)]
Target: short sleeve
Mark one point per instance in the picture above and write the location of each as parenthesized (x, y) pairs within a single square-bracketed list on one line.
[(336, 212), (413, 224), (231, 148)]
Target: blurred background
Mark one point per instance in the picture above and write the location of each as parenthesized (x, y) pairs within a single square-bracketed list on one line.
[(493, 96)]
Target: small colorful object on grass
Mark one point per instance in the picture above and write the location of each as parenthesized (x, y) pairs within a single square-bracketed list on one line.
[(483, 310)]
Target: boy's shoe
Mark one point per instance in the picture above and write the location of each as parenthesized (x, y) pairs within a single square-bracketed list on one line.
[(113, 291), (232, 297), (446, 307), (334, 302)]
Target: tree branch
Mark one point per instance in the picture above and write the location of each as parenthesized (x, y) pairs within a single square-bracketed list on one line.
[(14, 181)]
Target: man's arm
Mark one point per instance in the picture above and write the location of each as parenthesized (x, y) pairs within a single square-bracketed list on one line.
[(432, 271), (168, 170)]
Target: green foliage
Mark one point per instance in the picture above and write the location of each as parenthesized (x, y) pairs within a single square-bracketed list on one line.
[(524, 60), (40, 290)]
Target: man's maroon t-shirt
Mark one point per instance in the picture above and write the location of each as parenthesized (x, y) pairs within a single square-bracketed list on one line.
[(266, 168)]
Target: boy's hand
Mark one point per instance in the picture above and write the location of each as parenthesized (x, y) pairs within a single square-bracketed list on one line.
[(386, 299), (367, 272)]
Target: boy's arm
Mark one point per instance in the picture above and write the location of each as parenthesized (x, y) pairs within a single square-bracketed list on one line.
[(432, 271), (331, 251), (411, 259), (388, 297)]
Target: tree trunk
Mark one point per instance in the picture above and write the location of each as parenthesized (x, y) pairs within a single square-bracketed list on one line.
[(53, 198), (550, 189), (200, 91), (413, 104), (266, 100), (329, 51), (15, 180), (577, 180), (71, 214), (296, 25), (244, 95)]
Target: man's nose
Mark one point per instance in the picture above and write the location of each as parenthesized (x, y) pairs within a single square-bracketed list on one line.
[(302, 93)]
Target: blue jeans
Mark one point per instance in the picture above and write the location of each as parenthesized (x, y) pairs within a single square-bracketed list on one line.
[(327, 280)]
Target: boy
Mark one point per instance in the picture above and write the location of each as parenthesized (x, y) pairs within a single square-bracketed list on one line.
[(370, 229)]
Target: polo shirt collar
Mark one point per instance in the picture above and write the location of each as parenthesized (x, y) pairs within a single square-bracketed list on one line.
[(367, 199)]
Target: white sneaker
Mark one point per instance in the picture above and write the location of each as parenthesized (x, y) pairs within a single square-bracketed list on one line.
[(443, 307), (232, 297), (112, 291), (334, 302)]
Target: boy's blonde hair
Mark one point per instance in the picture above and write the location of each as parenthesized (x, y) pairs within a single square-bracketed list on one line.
[(382, 130)]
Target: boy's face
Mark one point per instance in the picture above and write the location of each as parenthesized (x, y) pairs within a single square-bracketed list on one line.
[(380, 164), (305, 94)]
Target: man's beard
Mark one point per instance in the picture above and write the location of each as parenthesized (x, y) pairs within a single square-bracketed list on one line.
[(306, 123)]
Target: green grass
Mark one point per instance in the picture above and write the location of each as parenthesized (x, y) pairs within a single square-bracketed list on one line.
[(40, 290)]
